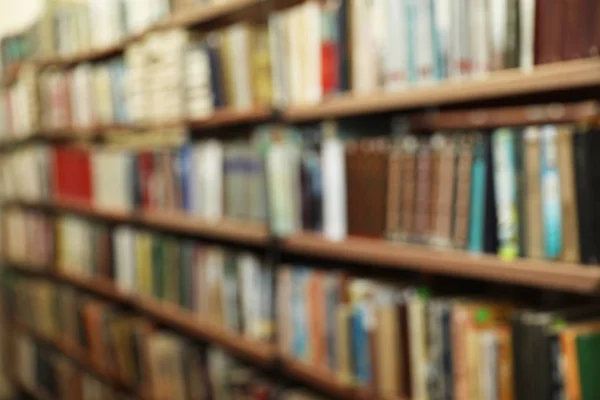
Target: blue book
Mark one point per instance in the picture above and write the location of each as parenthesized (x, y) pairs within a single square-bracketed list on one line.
[(332, 303), (188, 189), (362, 367), (551, 199), (300, 339)]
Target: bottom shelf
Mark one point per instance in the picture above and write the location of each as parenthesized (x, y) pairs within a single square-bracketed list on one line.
[(259, 353), (36, 393)]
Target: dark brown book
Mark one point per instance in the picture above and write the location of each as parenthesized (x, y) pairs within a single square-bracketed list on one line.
[(422, 193), (445, 194), (353, 195), (405, 369), (549, 20), (394, 186), (463, 191), (374, 187), (434, 184), (575, 32), (408, 169)]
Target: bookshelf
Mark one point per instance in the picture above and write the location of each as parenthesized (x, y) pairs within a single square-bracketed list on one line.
[(429, 101)]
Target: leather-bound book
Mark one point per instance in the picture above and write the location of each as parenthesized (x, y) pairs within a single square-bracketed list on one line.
[(445, 194), (533, 191), (422, 191), (463, 191), (394, 186), (408, 168), (570, 251)]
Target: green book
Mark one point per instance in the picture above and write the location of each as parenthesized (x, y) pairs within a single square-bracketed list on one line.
[(158, 263), (588, 353), (186, 262)]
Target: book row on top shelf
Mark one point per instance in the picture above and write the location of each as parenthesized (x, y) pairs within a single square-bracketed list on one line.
[(356, 46), (366, 338)]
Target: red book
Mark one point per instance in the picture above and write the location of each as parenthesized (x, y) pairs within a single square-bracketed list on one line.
[(145, 167), (330, 59)]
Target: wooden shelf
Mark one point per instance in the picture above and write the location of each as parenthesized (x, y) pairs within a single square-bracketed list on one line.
[(177, 222), (79, 356), (554, 275), (232, 116), (544, 78), (258, 353), (384, 254), (85, 56), (168, 315), (318, 378)]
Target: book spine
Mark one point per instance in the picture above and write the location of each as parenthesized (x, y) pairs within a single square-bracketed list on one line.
[(505, 188), (551, 200)]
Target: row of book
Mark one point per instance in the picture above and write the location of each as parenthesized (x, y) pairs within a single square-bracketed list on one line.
[(225, 286), (353, 45), (515, 191), (395, 340), (43, 370), (209, 179), (365, 46), (512, 191), (19, 107), (402, 342), (86, 96), (159, 363)]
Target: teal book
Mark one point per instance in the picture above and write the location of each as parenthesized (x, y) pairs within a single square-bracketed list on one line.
[(479, 177), (551, 199), (505, 182)]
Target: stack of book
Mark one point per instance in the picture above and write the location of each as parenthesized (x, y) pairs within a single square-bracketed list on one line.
[(19, 107), (512, 191), (85, 96), (209, 179), (400, 342)]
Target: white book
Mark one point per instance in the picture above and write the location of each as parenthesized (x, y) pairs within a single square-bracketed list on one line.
[(527, 34), (395, 50), (295, 63), (459, 39), (480, 40), (424, 42), (282, 164), (238, 37), (365, 63), (498, 25), (212, 191), (334, 184), (123, 244), (278, 48), (311, 55), (442, 28), (249, 276)]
